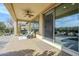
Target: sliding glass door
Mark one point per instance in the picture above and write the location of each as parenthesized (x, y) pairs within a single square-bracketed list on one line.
[(66, 26), (62, 26), (48, 26)]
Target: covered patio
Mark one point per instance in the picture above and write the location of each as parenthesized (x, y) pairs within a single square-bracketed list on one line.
[(39, 45)]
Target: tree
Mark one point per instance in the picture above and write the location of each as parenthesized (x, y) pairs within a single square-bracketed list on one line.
[(2, 28), (10, 25)]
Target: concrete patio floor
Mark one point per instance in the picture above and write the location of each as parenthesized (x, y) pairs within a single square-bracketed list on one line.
[(30, 44)]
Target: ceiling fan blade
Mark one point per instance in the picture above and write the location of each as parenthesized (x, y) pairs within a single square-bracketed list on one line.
[(28, 12)]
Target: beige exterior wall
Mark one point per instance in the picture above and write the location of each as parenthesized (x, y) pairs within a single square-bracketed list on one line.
[(41, 25)]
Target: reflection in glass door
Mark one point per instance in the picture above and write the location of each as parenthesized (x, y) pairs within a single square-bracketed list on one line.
[(66, 26)]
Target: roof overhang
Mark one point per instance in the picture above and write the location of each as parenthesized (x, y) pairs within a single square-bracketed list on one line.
[(16, 9)]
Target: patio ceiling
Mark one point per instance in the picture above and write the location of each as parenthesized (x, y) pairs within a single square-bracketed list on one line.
[(17, 10)]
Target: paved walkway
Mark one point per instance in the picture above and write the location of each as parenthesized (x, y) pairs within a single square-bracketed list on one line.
[(16, 45), (4, 40)]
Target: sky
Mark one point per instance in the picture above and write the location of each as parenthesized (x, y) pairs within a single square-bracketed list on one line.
[(4, 14), (69, 21)]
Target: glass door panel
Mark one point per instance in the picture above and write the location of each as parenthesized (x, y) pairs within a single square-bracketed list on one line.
[(66, 26)]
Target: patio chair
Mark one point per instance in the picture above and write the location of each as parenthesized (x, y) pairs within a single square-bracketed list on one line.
[(30, 34)]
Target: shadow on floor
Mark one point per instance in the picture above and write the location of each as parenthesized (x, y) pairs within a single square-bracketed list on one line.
[(31, 52), (28, 52)]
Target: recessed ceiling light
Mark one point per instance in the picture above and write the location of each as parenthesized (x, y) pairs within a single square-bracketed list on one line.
[(64, 7), (73, 3)]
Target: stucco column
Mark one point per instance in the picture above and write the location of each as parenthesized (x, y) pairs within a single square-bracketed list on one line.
[(16, 31), (29, 26), (41, 25)]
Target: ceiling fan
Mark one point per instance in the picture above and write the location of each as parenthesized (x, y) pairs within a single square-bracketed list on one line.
[(28, 12)]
